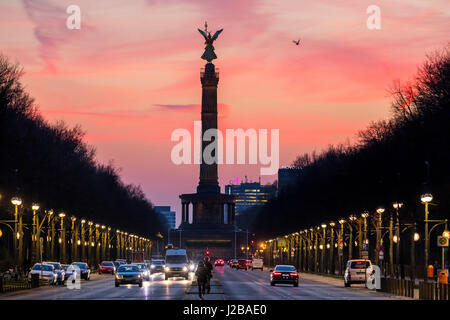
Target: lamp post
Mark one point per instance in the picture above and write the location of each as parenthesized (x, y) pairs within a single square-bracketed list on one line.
[(391, 246), (103, 237), (331, 252), (365, 242), (83, 240), (322, 254), (341, 245), (97, 244), (379, 227), (108, 244), (350, 240), (397, 206), (50, 227), (73, 239), (90, 244), (445, 234), (415, 238), (16, 201), (426, 199), (34, 238), (62, 240)]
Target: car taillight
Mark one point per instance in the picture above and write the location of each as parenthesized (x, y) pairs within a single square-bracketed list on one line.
[(293, 274), (277, 273)]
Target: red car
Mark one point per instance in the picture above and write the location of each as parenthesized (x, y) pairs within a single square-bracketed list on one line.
[(284, 274), (106, 267), (219, 262), (242, 264)]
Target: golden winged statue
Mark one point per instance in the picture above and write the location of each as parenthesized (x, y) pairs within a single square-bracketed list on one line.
[(209, 54)]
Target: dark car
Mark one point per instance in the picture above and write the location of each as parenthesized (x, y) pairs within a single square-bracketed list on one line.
[(59, 271), (157, 266), (242, 264), (116, 264), (69, 272), (85, 271), (234, 263), (284, 274), (128, 274), (106, 267)]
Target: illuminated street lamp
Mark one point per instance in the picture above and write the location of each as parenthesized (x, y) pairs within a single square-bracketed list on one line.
[(16, 201), (397, 206), (35, 238), (426, 199), (63, 238), (416, 236)]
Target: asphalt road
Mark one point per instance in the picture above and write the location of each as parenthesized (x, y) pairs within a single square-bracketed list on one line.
[(102, 287), (227, 284), (241, 284)]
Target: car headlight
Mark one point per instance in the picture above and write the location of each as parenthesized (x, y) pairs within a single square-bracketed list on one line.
[(145, 273), (152, 266), (192, 267), (139, 276), (167, 268), (185, 268), (118, 276)]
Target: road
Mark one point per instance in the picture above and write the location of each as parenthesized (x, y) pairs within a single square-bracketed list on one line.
[(241, 284), (232, 284), (102, 287)]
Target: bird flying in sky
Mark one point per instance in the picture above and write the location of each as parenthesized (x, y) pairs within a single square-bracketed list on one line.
[(296, 42)]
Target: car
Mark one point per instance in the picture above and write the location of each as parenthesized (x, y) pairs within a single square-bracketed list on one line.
[(234, 263), (219, 262), (128, 274), (59, 271), (47, 273), (156, 265), (257, 264), (116, 264), (85, 271), (121, 261), (284, 274), (176, 264), (357, 271), (69, 272), (144, 270), (242, 264), (106, 267)]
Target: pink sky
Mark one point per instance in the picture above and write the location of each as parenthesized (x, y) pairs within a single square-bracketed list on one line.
[(132, 58)]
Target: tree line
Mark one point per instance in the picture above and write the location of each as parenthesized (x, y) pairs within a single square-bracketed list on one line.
[(50, 164), (393, 160)]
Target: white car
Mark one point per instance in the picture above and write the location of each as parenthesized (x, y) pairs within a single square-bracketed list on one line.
[(257, 264), (357, 271), (47, 273)]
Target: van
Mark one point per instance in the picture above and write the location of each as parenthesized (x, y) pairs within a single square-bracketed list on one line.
[(357, 271), (257, 264), (177, 264)]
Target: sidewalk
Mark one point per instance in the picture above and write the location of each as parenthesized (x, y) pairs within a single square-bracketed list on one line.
[(339, 282)]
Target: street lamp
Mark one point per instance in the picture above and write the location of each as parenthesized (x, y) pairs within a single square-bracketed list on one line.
[(63, 237), (426, 199), (34, 237), (397, 206), (16, 201)]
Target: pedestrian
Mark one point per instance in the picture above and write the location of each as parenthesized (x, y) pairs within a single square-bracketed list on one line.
[(209, 269), (202, 275)]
